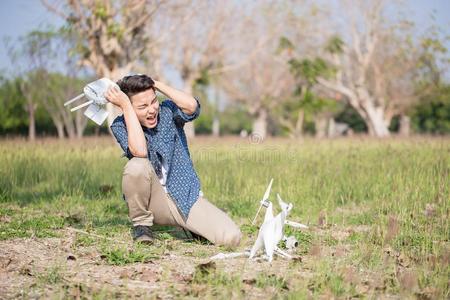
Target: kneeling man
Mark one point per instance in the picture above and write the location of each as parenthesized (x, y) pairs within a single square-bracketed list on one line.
[(159, 182)]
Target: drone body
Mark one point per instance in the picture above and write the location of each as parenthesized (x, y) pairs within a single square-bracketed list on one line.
[(271, 231)]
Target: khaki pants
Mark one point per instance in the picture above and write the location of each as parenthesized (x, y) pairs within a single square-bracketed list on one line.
[(149, 204)]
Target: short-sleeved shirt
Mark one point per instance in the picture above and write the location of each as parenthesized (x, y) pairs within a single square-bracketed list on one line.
[(167, 143)]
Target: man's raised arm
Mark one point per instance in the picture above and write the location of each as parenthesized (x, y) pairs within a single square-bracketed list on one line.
[(136, 139), (184, 101)]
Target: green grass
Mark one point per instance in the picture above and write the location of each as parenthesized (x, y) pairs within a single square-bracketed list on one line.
[(121, 255), (53, 275), (399, 190)]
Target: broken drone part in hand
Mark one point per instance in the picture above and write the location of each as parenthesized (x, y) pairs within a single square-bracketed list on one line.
[(95, 93)]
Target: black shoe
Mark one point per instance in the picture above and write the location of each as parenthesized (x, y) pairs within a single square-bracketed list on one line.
[(143, 234)]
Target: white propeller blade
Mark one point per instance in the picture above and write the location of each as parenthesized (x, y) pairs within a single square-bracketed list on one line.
[(295, 224), (264, 201), (74, 99), (82, 105), (267, 193)]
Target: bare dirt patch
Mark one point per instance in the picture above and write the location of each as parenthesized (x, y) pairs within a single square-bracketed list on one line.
[(48, 267), (61, 268)]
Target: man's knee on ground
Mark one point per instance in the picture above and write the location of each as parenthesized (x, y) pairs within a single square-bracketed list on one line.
[(137, 167), (231, 237)]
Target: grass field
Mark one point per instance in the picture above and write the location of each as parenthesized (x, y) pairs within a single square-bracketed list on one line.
[(378, 213)]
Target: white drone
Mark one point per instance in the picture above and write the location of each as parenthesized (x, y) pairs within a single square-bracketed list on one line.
[(271, 231), (94, 92)]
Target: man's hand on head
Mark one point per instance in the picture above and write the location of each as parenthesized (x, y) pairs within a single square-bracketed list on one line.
[(117, 97)]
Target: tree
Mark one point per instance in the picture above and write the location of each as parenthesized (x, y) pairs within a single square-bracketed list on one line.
[(371, 62), (43, 49), (308, 102), (263, 80), (263, 84), (30, 107), (13, 105), (432, 114), (112, 36), (57, 88), (352, 65), (28, 57), (203, 42)]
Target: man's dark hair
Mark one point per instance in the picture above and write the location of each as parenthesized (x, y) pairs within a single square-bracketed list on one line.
[(134, 84)]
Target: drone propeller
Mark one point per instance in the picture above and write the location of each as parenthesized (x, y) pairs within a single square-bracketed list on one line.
[(295, 224), (265, 200)]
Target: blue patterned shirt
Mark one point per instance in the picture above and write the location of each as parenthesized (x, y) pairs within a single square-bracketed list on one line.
[(167, 142)]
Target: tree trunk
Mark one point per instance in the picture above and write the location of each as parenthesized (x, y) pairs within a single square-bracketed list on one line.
[(97, 131), (31, 108), (405, 125), (331, 128), (216, 120), (216, 126), (189, 128), (321, 123), (59, 129), (70, 131), (375, 120), (80, 123), (260, 124), (67, 121), (298, 132)]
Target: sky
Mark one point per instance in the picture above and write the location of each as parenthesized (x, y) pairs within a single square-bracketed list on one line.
[(17, 17)]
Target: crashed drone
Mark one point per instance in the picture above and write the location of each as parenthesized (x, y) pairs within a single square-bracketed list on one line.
[(94, 92), (271, 231)]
